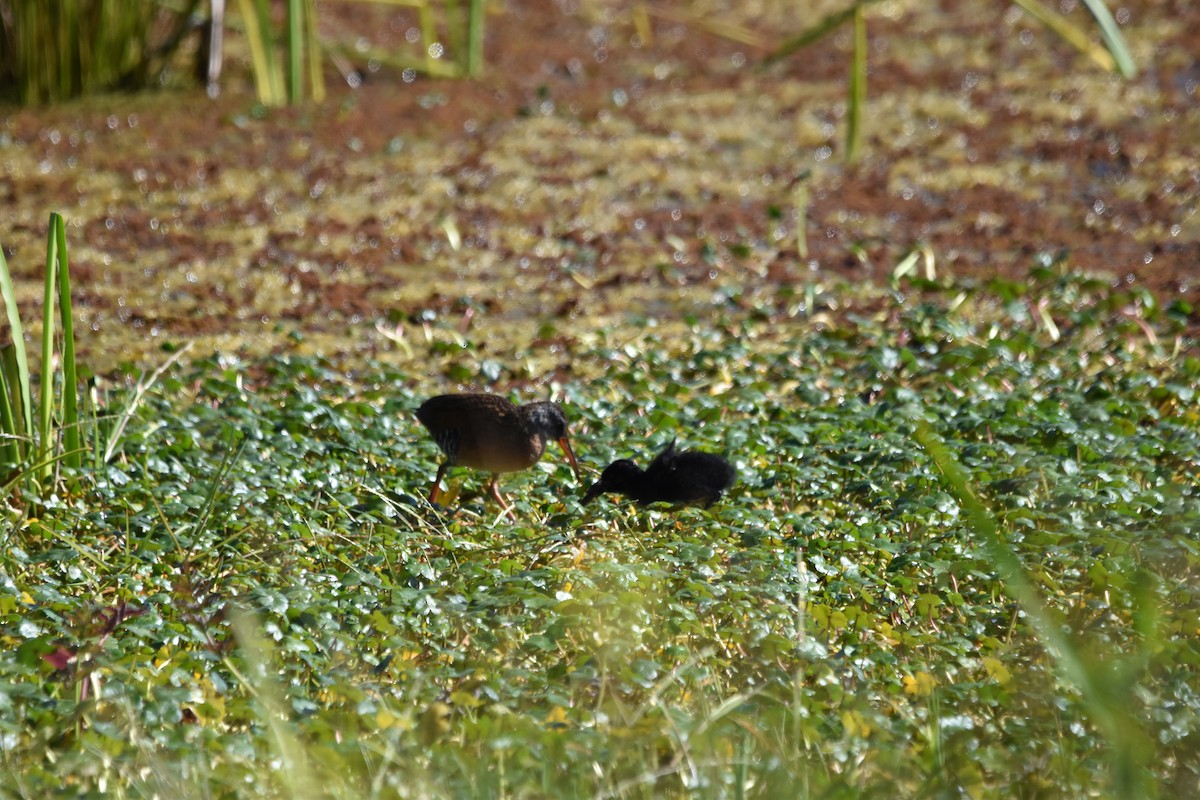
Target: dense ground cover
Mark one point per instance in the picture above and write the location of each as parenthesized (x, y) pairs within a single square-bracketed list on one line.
[(589, 159), (254, 599)]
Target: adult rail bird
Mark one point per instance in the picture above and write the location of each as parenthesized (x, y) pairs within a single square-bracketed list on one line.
[(674, 476), (488, 432)]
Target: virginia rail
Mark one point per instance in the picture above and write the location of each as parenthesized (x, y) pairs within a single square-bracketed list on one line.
[(674, 476), (487, 432)]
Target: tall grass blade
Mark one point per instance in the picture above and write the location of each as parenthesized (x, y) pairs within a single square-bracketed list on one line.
[(315, 74), (858, 87), (16, 405), (22, 411), (475, 20), (139, 393), (277, 93), (1112, 37), (296, 774), (800, 201), (11, 447), (1017, 582), (1107, 703), (46, 409), (1069, 33), (28, 449), (257, 23), (70, 405), (96, 421), (295, 48), (726, 30), (428, 37), (823, 28)]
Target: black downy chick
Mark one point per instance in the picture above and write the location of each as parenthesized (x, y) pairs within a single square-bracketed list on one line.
[(674, 476)]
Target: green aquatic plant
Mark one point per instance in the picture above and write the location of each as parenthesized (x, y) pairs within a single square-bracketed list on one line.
[(32, 446), (66, 427), (255, 578)]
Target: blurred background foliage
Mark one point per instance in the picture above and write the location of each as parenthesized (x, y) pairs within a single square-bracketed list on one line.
[(50, 52)]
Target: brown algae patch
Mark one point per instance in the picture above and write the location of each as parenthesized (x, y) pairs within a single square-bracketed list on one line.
[(564, 192)]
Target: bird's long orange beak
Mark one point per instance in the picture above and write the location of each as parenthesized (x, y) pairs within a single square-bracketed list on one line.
[(565, 443)]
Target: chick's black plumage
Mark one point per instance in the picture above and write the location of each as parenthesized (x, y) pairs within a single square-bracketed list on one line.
[(674, 476)]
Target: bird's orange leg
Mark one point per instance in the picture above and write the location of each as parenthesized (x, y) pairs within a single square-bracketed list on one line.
[(437, 482), (495, 492)]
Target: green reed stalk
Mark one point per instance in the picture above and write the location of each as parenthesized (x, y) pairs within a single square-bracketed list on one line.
[(46, 416), (1112, 38), (21, 435), (857, 100), (256, 23), (315, 75), (73, 451), (15, 399), (295, 48), (475, 19)]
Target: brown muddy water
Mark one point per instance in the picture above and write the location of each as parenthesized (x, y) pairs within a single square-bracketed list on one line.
[(593, 176)]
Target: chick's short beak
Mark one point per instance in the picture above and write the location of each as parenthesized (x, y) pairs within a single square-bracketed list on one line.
[(595, 491)]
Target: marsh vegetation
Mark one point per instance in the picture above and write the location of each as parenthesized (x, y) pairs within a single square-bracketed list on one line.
[(960, 555)]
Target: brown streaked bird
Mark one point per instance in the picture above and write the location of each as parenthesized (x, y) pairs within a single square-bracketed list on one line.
[(674, 476), (488, 432)]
